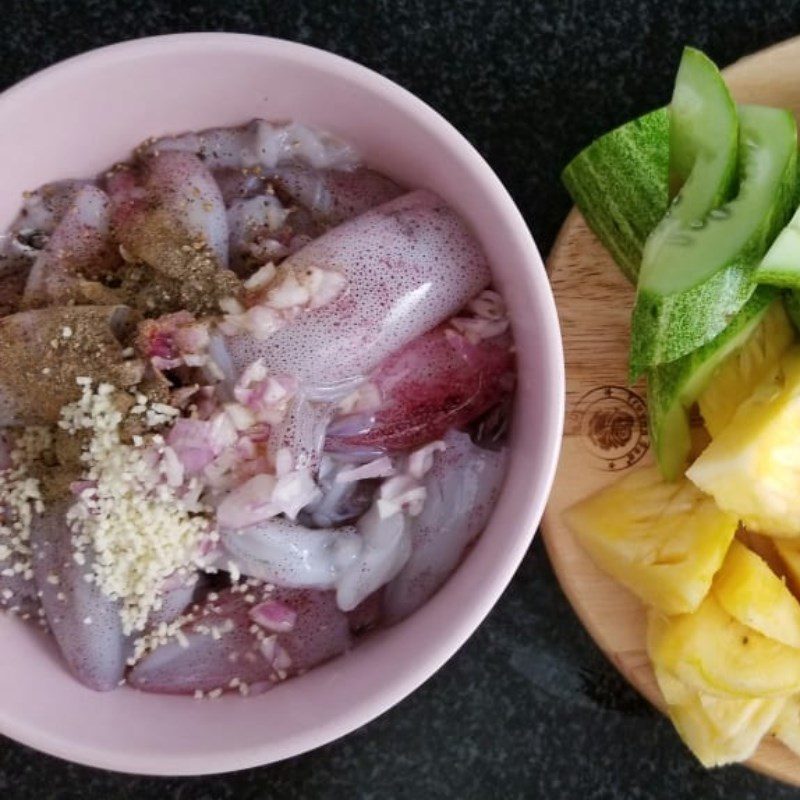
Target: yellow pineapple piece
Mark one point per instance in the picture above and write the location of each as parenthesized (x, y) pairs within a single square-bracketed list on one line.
[(744, 369), (723, 731), (752, 468), (787, 726), (663, 541), (711, 652), (673, 691), (718, 730), (752, 593)]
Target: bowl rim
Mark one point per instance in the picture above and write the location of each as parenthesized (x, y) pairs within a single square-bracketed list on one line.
[(530, 511)]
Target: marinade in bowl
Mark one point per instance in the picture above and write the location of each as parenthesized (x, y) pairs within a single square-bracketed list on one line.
[(254, 399)]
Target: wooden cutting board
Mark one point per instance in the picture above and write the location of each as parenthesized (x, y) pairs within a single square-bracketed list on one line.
[(605, 430)]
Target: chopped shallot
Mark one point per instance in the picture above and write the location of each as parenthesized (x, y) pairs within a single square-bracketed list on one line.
[(421, 460), (398, 494), (274, 616), (265, 496), (379, 468)]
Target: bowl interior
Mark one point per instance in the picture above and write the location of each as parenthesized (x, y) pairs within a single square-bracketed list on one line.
[(80, 116)]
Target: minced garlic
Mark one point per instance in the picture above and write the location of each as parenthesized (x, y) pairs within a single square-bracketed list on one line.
[(21, 499), (129, 524)]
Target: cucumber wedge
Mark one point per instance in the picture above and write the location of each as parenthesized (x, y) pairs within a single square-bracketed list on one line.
[(620, 184), (703, 147), (781, 264), (673, 388), (693, 281)]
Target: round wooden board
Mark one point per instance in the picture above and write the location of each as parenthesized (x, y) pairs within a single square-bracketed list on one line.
[(605, 429)]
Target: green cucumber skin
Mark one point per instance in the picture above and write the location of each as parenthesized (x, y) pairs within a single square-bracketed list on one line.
[(667, 327), (670, 434), (781, 278), (689, 319), (673, 388), (777, 271), (620, 184), (781, 264)]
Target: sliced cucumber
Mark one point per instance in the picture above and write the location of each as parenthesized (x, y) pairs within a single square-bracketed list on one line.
[(781, 265), (673, 388), (703, 145), (704, 133), (619, 182), (703, 273)]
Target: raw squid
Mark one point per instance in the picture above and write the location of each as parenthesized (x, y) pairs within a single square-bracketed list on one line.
[(280, 551), (385, 548), (258, 230), (28, 235), (244, 653), (85, 623), (218, 647), (439, 381), (178, 594), (43, 352), (43, 209), (79, 250), (170, 215), (302, 430), (340, 502), (177, 197), (333, 196), (320, 632), (409, 264), (462, 488), (261, 144), (288, 386), (367, 615), (18, 593), (238, 184), (353, 560), (294, 201)]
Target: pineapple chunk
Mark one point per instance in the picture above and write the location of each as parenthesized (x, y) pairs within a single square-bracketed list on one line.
[(663, 541), (711, 652), (673, 691), (718, 730), (739, 374), (753, 594), (723, 731), (735, 717), (787, 726), (752, 468)]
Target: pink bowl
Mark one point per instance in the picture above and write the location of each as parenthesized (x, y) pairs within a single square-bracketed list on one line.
[(81, 115)]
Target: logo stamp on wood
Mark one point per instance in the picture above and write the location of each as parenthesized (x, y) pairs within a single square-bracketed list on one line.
[(613, 426)]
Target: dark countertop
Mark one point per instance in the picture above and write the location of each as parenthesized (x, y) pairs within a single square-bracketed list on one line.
[(529, 707)]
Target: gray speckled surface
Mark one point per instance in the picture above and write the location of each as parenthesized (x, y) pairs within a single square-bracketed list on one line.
[(528, 708)]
